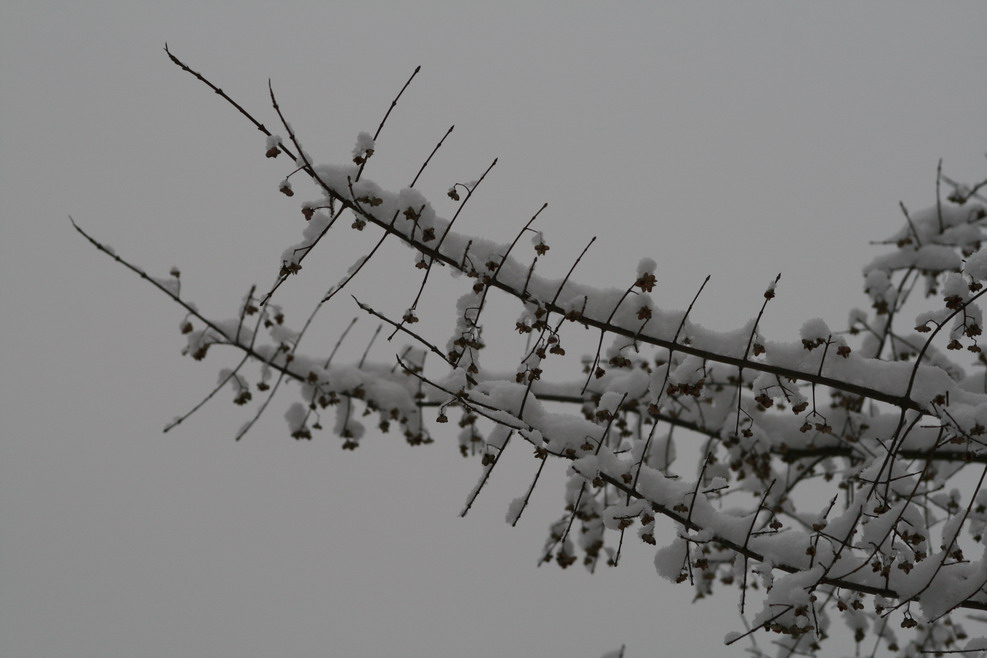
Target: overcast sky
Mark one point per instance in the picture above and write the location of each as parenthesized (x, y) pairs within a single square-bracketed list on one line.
[(733, 139)]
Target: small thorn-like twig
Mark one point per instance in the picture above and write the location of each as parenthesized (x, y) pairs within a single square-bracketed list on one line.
[(366, 351), (430, 155), (531, 488), (260, 126), (572, 269), (430, 346), (395, 102), (339, 342), (939, 196)]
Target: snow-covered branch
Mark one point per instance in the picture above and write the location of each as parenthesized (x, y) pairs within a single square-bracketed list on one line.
[(843, 453)]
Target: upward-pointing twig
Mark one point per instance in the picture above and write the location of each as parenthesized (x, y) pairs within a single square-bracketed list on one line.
[(260, 126)]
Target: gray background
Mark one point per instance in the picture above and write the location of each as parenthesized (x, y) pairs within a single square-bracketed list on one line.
[(733, 139)]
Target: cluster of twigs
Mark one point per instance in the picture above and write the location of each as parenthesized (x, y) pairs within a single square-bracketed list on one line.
[(886, 427)]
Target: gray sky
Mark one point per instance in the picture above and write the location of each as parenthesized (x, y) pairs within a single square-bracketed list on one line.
[(738, 140)]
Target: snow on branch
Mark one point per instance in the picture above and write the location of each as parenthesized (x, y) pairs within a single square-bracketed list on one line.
[(845, 454)]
